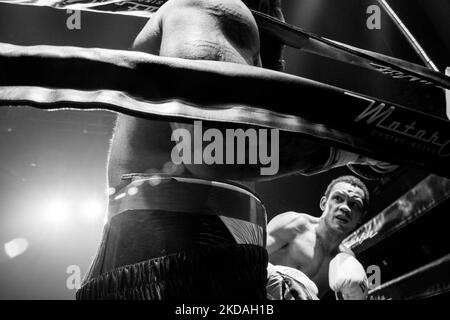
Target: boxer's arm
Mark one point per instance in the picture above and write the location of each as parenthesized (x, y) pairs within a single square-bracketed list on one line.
[(282, 229), (149, 39), (139, 144)]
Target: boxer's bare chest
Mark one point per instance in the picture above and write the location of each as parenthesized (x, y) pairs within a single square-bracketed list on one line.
[(309, 255)]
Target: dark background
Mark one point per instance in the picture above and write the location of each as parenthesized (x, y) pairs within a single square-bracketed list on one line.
[(62, 155)]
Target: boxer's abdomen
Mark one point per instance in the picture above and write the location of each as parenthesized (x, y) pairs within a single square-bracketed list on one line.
[(138, 145)]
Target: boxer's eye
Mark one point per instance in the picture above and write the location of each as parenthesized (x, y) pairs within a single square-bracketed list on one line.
[(355, 205)]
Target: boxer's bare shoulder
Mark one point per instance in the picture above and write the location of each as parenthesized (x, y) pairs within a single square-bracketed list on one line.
[(202, 29), (290, 220), (285, 227), (295, 222), (291, 241)]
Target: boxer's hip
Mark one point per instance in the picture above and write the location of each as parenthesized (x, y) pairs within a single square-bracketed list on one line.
[(205, 235)]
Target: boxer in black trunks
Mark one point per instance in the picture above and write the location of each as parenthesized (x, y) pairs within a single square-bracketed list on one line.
[(188, 247)]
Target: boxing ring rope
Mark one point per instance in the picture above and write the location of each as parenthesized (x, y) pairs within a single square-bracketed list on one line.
[(405, 210), (424, 282), (432, 278), (426, 195), (288, 34), (408, 35), (146, 85), (311, 43), (17, 88)]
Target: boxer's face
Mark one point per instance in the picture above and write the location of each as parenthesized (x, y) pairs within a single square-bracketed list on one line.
[(344, 207)]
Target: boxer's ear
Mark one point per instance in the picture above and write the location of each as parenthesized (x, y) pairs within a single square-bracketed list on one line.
[(322, 203)]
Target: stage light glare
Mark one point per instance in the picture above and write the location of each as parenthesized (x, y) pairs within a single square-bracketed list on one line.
[(120, 196), (132, 191), (16, 247), (92, 210), (155, 180), (110, 191), (55, 212)]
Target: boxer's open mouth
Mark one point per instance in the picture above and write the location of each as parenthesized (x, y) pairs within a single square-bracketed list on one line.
[(342, 219)]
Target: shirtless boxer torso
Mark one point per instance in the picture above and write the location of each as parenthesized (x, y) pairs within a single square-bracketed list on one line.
[(204, 30), (201, 29), (221, 31), (313, 245), (187, 222)]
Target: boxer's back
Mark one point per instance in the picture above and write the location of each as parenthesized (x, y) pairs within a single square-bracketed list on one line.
[(209, 30), (191, 29)]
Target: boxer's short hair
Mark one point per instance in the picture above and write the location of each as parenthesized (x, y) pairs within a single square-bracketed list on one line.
[(354, 181)]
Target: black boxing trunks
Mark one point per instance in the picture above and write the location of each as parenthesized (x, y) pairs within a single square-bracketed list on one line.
[(171, 238)]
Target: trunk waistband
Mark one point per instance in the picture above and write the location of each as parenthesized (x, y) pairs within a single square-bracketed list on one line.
[(187, 195)]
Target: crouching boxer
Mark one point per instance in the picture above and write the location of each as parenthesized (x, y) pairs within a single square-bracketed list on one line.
[(313, 245), (194, 234)]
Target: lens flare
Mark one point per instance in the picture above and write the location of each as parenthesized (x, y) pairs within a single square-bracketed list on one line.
[(16, 247)]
